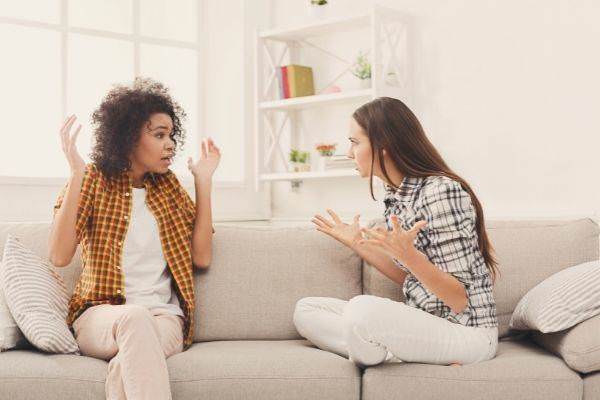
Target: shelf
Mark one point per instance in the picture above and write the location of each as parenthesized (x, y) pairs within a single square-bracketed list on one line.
[(327, 26), (291, 176), (317, 100)]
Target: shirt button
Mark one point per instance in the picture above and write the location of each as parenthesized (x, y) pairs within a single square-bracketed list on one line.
[(126, 194), (125, 217), (118, 267), (120, 244), (118, 291)]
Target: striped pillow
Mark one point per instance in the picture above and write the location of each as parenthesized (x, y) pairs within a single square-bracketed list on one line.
[(11, 336), (560, 301), (37, 299)]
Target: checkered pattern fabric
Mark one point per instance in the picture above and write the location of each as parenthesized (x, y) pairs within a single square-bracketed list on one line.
[(103, 214), (449, 240)]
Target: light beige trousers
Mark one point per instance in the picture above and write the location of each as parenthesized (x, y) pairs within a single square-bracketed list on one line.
[(137, 342)]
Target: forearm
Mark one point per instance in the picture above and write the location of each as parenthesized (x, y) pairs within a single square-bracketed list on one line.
[(442, 284), (62, 242), (381, 261), (203, 225)]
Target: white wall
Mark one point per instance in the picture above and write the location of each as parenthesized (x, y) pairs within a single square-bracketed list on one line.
[(507, 91)]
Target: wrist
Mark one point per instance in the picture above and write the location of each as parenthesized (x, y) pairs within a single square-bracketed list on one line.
[(205, 180), (410, 257)]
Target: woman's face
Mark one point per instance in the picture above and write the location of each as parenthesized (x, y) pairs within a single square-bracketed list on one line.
[(154, 145), (360, 149)]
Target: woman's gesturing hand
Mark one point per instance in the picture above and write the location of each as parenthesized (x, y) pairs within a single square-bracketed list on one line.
[(68, 145), (205, 167), (348, 234), (397, 243)]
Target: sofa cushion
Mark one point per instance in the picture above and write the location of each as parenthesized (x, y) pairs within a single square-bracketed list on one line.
[(520, 370), (561, 301), (578, 346), (527, 251), (289, 369), (258, 274), (10, 335), (591, 386), (28, 375), (37, 299)]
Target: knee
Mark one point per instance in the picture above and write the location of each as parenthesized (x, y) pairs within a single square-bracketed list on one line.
[(302, 306), (359, 309), (134, 314)]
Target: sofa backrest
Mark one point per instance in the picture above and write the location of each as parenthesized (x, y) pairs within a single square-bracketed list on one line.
[(256, 277), (527, 251), (258, 274)]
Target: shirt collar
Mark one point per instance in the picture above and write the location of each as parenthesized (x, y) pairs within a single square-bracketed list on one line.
[(405, 193)]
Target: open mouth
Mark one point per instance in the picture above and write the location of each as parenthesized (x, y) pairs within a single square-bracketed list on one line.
[(166, 160)]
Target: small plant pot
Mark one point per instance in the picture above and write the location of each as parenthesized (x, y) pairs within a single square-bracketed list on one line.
[(365, 83), (316, 11), (300, 167), (322, 162)]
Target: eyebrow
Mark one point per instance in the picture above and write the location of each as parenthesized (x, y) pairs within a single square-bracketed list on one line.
[(160, 127)]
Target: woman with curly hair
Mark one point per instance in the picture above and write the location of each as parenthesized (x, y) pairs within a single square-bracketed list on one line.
[(435, 247), (141, 237)]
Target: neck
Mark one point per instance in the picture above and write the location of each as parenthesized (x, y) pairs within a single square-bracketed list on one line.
[(137, 174), (395, 176)]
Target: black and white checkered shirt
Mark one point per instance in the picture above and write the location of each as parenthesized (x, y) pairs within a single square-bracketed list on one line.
[(449, 240)]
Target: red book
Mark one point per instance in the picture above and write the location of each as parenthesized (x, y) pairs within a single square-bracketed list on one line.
[(286, 87)]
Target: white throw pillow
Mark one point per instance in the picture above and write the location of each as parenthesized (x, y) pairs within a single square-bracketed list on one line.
[(37, 299), (561, 301), (11, 336)]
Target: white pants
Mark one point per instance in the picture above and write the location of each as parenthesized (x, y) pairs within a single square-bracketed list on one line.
[(370, 330)]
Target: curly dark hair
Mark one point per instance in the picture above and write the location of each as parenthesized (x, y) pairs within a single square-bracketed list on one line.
[(119, 118)]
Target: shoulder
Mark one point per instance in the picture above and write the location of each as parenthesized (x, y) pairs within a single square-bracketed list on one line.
[(441, 194), (441, 187)]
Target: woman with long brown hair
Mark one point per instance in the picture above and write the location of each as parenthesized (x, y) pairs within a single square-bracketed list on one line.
[(435, 247)]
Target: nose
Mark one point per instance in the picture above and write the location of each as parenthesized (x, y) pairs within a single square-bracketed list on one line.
[(349, 153), (170, 144)]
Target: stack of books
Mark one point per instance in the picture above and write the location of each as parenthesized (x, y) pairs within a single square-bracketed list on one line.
[(339, 162), (295, 81)]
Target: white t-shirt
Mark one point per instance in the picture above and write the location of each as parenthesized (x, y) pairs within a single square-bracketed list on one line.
[(147, 277)]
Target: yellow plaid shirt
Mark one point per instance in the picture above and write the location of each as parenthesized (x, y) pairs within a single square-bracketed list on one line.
[(103, 214)]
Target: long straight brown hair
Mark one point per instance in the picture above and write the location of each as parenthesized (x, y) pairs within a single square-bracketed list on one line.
[(391, 125)]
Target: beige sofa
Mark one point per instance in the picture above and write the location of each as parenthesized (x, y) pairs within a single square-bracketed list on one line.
[(247, 348)]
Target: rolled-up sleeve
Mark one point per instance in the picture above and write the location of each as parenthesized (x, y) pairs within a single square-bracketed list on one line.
[(451, 238)]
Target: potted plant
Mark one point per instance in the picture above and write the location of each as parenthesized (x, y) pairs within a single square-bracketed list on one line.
[(362, 70), (317, 8), (299, 160), (325, 151)]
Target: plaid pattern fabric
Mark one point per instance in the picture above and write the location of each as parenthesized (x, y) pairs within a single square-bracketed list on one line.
[(449, 240), (103, 214)]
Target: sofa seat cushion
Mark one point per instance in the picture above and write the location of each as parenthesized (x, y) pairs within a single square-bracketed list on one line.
[(520, 370), (31, 374), (287, 369), (591, 386)]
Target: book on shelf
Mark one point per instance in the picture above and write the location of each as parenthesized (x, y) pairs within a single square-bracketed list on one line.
[(295, 81)]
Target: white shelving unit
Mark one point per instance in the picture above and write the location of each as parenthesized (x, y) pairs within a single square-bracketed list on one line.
[(388, 30)]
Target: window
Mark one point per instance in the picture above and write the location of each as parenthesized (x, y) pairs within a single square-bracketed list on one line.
[(62, 56)]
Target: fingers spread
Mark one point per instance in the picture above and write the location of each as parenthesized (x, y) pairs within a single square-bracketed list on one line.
[(336, 219), (323, 220)]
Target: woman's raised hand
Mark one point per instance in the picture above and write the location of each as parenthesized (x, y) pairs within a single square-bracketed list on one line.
[(348, 234), (68, 141), (397, 243), (205, 167)]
